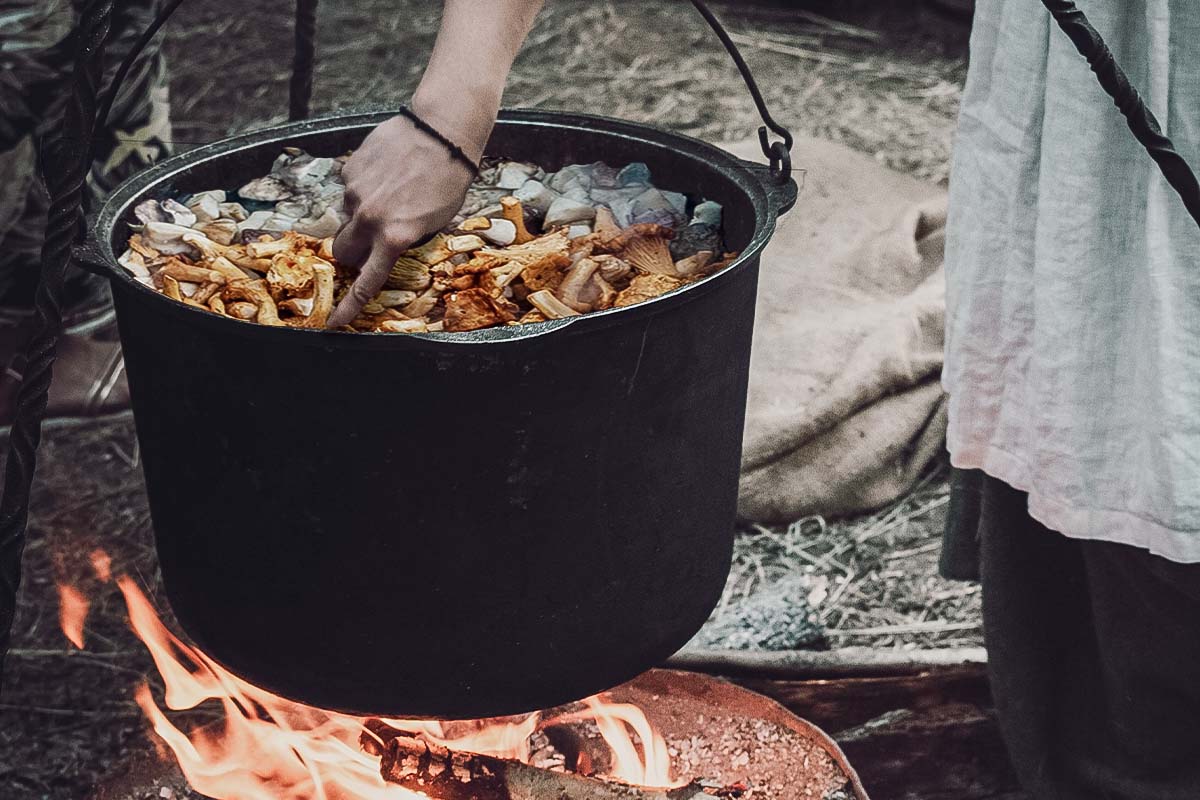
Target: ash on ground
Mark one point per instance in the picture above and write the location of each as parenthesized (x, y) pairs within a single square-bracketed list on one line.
[(779, 764), (864, 581), (777, 617)]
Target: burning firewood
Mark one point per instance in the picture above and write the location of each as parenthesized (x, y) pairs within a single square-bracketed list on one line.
[(444, 774)]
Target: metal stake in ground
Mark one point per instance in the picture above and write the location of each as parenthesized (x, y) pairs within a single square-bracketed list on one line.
[(300, 91)]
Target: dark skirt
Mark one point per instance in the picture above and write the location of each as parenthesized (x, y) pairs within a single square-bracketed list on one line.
[(1093, 649)]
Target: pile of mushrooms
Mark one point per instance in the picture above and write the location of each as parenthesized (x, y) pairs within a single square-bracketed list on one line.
[(500, 263)]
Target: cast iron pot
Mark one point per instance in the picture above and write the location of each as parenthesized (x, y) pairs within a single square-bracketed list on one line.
[(447, 525)]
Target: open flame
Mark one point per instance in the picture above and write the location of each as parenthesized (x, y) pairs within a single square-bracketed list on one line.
[(72, 613), (264, 747)]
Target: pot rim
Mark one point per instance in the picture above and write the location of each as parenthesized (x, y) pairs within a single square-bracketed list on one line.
[(98, 253)]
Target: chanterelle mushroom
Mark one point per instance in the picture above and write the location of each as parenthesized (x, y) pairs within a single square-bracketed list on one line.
[(650, 254), (551, 244), (474, 309), (613, 269), (606, 227), (435, 251), (215, 256), (181, 271), (647, 287), (584, 290), (291, 273), (694, 265), (524, 247), (424, 303), (514, 214), (221, 231), (410, 275), (324, 274), (550, 306), (641, 230), (403, 326), (242, 310), (298, 306), (254, 291), (546, 272), (135, 263)]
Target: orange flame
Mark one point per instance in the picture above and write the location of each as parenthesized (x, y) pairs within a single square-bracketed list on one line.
[(651, 767), (267, 748), (102, 564), (72, 613)]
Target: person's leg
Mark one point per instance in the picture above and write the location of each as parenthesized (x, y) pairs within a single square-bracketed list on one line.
[(22, 219), (138, 132), (960, 539), (1037, 626), (1094, 654), (33, 58), (1147, 623), (89, 378)]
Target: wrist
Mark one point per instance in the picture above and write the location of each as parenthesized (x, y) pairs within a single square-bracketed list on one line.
[(462, 114)]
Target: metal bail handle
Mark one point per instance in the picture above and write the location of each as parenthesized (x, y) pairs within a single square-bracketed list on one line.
[(1142, 123), (779, 153)]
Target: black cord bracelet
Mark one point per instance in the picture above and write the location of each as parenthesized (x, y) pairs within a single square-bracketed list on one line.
[(456, 152)]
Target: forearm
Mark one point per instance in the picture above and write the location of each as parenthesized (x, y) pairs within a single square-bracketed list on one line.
[(402, 184), (462, 87)]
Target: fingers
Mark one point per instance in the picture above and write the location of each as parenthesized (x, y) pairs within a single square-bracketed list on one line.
[(370, 280), (352, 243)]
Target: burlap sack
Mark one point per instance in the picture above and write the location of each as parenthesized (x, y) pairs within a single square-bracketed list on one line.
[(845, 406)]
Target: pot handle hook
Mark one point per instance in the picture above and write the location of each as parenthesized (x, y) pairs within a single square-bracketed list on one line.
[(779, 152)]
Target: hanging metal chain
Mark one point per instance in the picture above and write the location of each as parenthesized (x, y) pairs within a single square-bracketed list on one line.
[(779, 153), (1141, 121), (65, 160), (304, 61)]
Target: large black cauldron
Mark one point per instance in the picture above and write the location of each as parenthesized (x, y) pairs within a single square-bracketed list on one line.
[(447, 525)]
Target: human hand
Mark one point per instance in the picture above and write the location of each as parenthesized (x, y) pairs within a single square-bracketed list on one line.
[(401, 186)]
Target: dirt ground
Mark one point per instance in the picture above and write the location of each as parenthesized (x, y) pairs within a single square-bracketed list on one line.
[(884, 78)]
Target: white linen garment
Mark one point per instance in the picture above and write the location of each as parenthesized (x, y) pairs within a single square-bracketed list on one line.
[(1073, 276)]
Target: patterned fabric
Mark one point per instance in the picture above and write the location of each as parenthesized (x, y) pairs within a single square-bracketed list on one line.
[(35, 64)]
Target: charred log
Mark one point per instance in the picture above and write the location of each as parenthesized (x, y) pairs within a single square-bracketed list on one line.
[(445, 774)]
